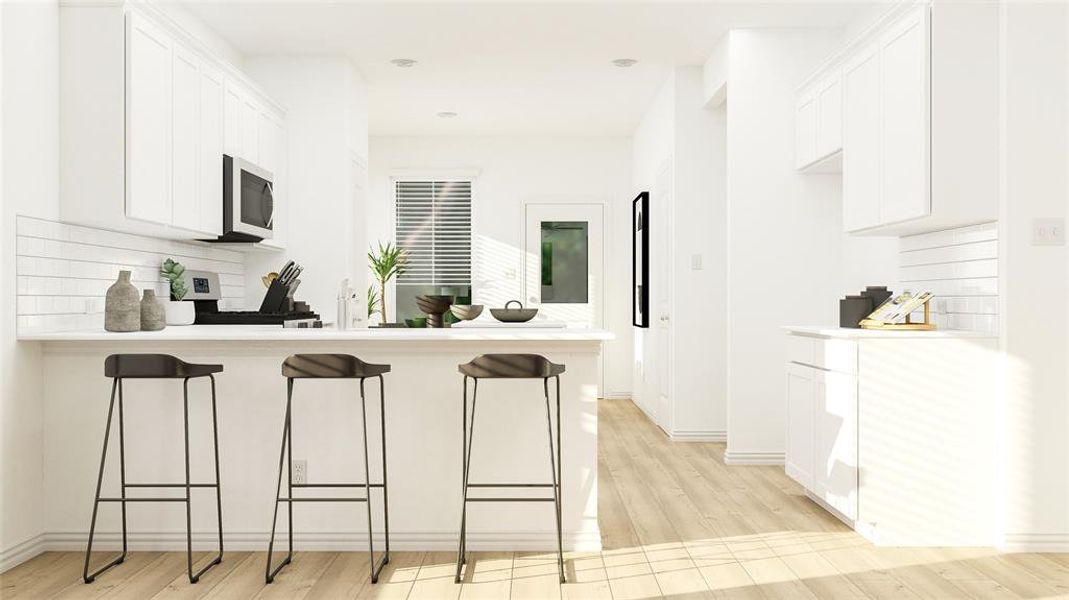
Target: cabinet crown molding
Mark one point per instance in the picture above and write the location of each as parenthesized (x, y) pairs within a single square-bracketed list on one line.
[(837, 59)]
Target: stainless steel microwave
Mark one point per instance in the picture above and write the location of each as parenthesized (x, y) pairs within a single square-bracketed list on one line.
[(248, 201)]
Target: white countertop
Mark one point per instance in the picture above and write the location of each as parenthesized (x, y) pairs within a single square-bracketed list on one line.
[(274, 333), (849, 333)]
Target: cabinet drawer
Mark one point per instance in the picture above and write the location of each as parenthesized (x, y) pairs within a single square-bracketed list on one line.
[(801, 349), (831, 354)]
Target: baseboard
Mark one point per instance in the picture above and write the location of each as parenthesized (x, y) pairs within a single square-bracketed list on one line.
[(1036, 542), (616, 396), (700, 436), (327, 541), (22, 552), (753, 458)]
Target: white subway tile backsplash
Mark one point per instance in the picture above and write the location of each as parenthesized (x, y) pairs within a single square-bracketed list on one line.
[(64, 271), (960, 267)]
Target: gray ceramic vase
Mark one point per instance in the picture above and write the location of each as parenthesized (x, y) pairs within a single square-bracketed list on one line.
[(122, 306), (153, 313)]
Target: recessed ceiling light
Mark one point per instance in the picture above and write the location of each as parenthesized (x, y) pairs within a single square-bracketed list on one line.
[(447, 114), (404, 63), (624, 62)]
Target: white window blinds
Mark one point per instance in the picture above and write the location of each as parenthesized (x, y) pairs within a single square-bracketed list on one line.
[(434, 229)]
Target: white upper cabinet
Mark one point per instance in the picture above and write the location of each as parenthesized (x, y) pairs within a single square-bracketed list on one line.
[(185, 209), (819, 125), (210, 193), (148, 122), (147, 113), (232, 124), (805, 132), (919, 105), (829, 99), (904, 119), (861, 140)]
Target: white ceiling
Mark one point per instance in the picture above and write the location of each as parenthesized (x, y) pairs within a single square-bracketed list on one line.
[(506, 67)]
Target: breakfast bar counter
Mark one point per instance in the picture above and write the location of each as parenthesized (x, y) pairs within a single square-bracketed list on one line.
[(423, 428)]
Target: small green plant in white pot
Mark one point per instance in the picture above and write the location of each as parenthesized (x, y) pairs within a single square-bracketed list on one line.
[(178, 311)]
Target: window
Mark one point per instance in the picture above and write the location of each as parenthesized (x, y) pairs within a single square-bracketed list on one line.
[(434, 228)]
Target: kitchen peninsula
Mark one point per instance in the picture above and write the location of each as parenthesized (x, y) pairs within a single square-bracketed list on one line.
[(423, 421)]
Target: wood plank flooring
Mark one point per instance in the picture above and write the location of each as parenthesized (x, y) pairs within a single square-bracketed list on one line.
[(675, 521)]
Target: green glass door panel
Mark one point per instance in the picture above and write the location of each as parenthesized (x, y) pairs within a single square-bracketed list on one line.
[(565, 262)]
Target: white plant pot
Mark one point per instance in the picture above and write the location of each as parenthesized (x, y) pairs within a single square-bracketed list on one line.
[(180, 312)]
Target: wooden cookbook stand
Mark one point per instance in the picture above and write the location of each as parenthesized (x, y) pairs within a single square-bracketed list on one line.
[(927, 325)]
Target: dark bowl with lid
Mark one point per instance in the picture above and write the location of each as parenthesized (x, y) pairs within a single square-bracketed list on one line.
[(514, 315)]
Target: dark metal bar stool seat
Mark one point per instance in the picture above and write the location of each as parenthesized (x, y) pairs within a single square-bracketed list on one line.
[(154, 366), (510, 366), (330, 366)]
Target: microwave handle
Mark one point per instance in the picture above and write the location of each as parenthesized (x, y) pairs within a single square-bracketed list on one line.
[(270, 194)]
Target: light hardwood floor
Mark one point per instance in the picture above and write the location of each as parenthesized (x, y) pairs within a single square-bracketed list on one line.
[(676, 522)]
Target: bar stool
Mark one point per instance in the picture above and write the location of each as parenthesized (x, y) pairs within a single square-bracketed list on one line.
[(510, 366), (330, 366), (154, 366)]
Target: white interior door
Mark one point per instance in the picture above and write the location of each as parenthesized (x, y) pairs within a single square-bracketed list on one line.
[(563, 266), (662, 200)]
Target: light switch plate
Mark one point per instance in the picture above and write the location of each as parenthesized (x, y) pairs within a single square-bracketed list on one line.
[(1048, 232), (695, 262)]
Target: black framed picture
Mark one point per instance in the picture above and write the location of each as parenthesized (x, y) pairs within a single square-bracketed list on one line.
[(640, 260)]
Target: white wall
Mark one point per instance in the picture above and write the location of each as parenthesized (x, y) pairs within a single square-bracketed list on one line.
[(30, 185), (1034, 287), (788, 261), (679, 156), (653, 156), (514, 171), (326, 117)]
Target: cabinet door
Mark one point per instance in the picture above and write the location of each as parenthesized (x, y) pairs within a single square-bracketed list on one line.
[(904, 123), (211, 151), (805, 131), (801, 395), (250, 130), (835, 441), (275, 131), (861, 140), (232, 106), (185, 179), (148, 121), (829, 102)]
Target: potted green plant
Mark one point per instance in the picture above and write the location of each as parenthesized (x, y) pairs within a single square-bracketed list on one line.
[(387, 263), (178, 312)]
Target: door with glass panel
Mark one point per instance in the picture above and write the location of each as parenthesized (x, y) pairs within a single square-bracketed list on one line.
[(563, 270)]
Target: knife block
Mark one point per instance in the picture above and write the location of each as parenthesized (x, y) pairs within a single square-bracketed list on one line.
[(275, 300)]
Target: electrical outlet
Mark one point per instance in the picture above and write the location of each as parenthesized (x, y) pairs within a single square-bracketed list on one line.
[(1048, 232), (300, 471)]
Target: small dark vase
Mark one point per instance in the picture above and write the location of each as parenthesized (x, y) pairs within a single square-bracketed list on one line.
[(434, 307), (878, 293), (853, 309)]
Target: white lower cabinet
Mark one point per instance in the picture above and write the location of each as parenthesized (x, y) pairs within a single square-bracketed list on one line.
[(835, 441), (892, 433), (822, 435), (801, 402)]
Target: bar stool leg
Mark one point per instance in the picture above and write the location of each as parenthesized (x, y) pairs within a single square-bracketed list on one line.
[(195, 577), (269, 575), (122, 468), (467, 434), (554, 460), (86, 576), (385, 486), (218, 487), (367, 486), (189, 504)]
